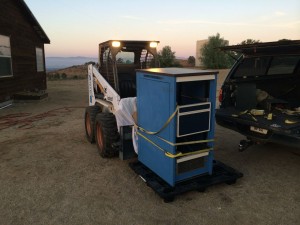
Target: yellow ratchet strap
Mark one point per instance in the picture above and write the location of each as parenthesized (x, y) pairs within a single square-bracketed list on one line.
[(179, 154), (147, 139), (168, 154), (243, 113), (163, 127), (185, 143)]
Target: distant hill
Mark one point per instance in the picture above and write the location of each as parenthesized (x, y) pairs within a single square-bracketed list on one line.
[(56, 63), (72, 72), (74, 67)]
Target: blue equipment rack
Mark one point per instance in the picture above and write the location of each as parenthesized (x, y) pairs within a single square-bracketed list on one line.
[(176, 106)]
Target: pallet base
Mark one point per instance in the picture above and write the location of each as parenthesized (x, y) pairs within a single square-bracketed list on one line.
[(221, 174)]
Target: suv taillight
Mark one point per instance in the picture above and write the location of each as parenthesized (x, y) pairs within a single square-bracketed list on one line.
[(220, 95)]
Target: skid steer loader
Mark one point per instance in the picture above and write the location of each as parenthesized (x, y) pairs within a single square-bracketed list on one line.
[(113, 80)]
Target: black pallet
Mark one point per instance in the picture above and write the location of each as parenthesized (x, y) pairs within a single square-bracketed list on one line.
[(221, 174)]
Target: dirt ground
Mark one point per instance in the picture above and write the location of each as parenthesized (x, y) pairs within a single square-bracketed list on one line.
[(50, 174)]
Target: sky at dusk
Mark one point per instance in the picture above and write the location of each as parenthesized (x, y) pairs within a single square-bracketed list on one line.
[(76, 27)]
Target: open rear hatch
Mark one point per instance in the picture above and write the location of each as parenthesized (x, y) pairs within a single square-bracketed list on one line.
[(273, 48), (261, 94)]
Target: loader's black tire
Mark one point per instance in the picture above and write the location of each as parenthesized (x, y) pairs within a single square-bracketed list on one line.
[(106, 134), (89, 121)]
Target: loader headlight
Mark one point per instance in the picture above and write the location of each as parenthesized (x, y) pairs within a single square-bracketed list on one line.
[(116, 44), (153, 44)]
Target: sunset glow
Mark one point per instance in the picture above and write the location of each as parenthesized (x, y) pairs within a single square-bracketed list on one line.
[(76, 27)]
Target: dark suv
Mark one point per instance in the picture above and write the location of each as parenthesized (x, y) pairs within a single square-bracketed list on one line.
[(260, 97)]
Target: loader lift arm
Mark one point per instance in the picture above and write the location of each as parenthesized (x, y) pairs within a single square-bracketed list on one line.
[(110, 99)]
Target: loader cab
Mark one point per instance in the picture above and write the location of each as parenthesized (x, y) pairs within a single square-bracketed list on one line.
[(118, 61)]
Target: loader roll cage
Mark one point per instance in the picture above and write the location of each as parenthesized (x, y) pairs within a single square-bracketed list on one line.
[(118, 61)]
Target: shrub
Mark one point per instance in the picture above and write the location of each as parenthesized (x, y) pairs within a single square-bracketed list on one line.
[(56, 76), (49, 76), (64, 76)]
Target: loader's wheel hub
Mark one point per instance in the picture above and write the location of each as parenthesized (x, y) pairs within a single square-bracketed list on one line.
[(88, 124), (99, 137)]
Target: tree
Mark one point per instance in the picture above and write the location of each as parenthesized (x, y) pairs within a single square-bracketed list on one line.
[(284, 39), (90, 62), (249, 41), (191, 60), (167, 58), (212, 57), (120, 61)]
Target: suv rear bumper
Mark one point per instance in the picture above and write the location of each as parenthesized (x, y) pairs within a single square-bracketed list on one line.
[(288, 135)]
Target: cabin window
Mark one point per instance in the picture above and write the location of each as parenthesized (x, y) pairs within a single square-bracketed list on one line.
[(39, 60), (283, 64), (5, 57), (125, 58)]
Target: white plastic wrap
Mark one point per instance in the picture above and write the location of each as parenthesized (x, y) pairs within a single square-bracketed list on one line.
[(124, 116), (135, 139), (126, 108)]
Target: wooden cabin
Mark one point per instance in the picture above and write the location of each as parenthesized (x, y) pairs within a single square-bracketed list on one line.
[(22, 55)]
